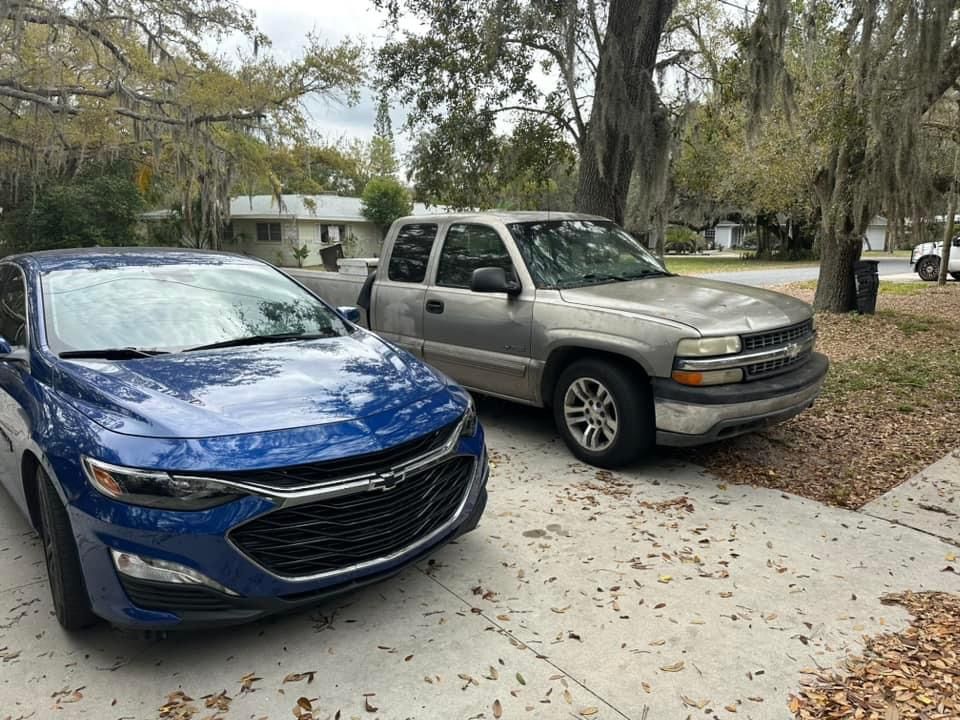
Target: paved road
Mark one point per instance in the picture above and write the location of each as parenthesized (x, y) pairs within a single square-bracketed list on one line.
[(581, 595), (782, 276)]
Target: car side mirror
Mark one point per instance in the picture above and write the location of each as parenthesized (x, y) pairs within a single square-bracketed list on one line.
[(10, 353), (350, 312), (493, 280)]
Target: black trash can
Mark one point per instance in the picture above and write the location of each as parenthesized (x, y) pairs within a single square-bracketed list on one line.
[(867, 279)]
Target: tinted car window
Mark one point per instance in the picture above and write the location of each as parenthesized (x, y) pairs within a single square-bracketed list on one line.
[(411, 250), (13, 303), (176, 305), (467, 248)]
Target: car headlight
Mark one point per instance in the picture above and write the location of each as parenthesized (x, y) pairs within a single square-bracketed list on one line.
[(156, 489), (707, 347), (469, 423)]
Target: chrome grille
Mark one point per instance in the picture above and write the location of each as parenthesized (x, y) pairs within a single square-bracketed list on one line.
[(775, 338), (331, 472), (337, 533)]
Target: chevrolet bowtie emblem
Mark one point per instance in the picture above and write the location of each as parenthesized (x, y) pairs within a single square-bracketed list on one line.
[(793, 349), (387, 481)]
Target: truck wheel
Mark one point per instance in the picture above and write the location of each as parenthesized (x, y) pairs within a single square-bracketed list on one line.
[(928, 268), (955, 276), (70, 600), (603, 413)]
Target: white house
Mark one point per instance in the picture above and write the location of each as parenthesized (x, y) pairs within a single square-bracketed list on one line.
[(876, 234), (330, 226), (725, 235)]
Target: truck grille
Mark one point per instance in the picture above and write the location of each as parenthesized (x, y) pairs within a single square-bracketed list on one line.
[(334, 471), (775, 338), (773, 367), (339, 532)]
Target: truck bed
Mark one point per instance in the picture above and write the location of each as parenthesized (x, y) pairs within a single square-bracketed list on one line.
[(334, 287)]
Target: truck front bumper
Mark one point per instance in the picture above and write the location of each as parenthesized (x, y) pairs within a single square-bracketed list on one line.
[(697, 415)]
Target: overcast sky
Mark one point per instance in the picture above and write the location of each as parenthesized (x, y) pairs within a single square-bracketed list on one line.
[(287, 22)]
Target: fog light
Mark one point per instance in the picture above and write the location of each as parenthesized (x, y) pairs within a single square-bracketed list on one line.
[(154, 570)]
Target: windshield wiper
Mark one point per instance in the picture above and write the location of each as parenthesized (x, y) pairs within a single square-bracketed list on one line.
[(648, 273), (127, 353), (594, 278), (259, 340)]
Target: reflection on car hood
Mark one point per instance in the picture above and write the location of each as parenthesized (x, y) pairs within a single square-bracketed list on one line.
[(710, 306), (247, 389)]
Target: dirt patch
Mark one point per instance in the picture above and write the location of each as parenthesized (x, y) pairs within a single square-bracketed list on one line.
[(900, 676), (890, 406)]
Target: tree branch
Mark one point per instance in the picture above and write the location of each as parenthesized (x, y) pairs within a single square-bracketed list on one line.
[(541, 111), (13, 13)]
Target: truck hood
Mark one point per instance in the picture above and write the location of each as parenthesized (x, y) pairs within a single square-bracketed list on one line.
[(247, 389), (709, 306)]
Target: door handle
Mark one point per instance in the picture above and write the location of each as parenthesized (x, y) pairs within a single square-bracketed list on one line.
[(435, 306)]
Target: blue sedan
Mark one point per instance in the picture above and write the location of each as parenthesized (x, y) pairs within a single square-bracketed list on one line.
[(199, 439)]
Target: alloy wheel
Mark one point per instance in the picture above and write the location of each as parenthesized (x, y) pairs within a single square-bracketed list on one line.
[(591, 414)]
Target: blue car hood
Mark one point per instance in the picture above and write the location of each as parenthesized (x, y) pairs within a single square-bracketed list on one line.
[(249, 389)]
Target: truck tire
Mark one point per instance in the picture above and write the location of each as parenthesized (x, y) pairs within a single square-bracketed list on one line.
[(955, 276), (69, 592), (928, 268), (604, 413)]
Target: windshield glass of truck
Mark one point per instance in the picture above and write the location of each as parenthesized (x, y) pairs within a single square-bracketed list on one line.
[(571, 253), (170, 307)]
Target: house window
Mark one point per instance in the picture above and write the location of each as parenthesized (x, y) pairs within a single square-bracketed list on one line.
[(332, 233), (268, 232)]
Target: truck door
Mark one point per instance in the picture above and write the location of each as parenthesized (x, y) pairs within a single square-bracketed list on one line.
[(482, 340), (954, 264), (399, 288)]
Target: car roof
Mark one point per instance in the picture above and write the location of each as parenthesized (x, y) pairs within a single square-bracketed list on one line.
[(110, 257), (503, 216)]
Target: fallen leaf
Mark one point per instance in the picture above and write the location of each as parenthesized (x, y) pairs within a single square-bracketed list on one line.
[(675, 667), (497, 709)]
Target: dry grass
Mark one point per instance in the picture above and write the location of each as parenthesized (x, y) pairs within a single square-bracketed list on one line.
[(890, 406)]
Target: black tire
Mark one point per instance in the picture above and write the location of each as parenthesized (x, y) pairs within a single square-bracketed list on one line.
[(955, 276), (70, 600), (928, 268), (632, 405)]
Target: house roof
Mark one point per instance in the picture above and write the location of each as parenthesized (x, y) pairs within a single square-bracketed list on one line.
[(309, 207)]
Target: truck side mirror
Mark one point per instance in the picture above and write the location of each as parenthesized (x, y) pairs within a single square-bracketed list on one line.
[(493, 280)]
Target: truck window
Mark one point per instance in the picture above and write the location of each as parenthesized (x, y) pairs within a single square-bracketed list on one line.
[(467, 248), (411, 250)]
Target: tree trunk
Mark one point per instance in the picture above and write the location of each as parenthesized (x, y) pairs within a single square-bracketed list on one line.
[(836, 291), (947, 238), (626, 107)]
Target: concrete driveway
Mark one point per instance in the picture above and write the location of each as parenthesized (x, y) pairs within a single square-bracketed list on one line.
[(655, 593)]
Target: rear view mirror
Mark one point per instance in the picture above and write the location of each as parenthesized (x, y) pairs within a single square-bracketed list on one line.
[(493, 280), (350, 312)]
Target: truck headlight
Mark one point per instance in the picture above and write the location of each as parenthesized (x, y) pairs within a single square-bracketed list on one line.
[(708, 347), (156, 489)]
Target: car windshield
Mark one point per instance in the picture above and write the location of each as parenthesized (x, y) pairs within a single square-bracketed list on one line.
[(571, 253), (174, 306)]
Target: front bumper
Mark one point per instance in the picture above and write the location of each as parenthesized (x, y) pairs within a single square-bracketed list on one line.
[(199, 540), (693, 416)]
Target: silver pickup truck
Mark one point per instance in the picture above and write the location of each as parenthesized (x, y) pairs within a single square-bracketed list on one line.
[(571, 312)]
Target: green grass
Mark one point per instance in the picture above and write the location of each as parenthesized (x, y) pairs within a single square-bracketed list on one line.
[(887, 287), (901, 378), (881, 253), (699, 265), (909, 324)]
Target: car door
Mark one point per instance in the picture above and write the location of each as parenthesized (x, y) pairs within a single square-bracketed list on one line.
[(480, 339), (14, 425), (398, 293)]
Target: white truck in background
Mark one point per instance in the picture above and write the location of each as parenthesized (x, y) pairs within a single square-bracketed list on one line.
[(925, 259)]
